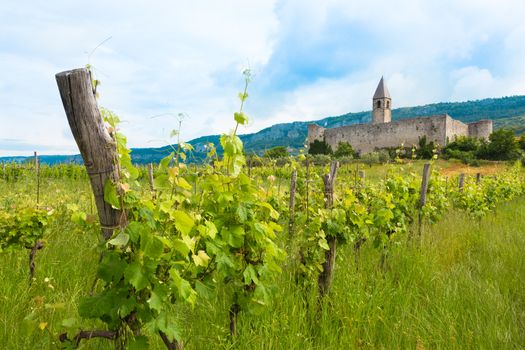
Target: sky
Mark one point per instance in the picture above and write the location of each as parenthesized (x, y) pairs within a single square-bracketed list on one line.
[(309, 59)]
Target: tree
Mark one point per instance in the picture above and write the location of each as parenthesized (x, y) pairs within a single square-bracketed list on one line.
[(344, 149), (276, 152), (320, 147), (502, 146)]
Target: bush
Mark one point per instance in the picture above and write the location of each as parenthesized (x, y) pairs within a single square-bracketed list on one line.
[(319, 160), (276, 152), (319, 147), (464, 144), (383, 156), (344, 149), (346, 160), (425, 149), (502, 146), (370, 158)]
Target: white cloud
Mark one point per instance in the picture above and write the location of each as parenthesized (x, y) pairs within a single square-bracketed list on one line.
[(311, 59), (472, 83)]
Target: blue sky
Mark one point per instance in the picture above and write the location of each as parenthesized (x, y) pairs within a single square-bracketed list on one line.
[(310, 59)]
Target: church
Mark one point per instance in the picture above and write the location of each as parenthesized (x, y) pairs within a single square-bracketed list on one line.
[(385, 133)]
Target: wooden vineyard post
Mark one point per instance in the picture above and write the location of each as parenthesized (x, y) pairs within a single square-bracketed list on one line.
[(291, 206), (307, 188), (478, 178), (355, 175), (325, 278), (423, 194), (461, 182), (150, 176), (96, 145), (37, 170)]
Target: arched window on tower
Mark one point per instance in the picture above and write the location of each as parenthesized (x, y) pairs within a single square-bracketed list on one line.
[(378, 104), (387, 104)]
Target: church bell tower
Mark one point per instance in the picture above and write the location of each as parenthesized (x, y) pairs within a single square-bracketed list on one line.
[(382, 104)]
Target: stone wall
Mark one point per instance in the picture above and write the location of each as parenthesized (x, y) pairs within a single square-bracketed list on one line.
[(315, 132), (480, 129), (366, 138), (454, 128)]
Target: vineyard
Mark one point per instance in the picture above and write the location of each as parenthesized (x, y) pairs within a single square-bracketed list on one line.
[(224, 254)]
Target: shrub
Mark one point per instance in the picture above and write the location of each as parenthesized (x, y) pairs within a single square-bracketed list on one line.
[(502, 146), (344, 149), (383, 156), (320, 159), (319, 147), (425, 149), (276, 152), (370, 158)]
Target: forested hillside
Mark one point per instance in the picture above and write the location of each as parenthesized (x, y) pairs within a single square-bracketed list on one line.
[(507, 112)]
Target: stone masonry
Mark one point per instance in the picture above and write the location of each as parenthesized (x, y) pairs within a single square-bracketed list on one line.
[(384, 133)]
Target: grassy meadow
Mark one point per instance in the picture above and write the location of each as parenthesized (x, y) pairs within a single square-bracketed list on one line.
[(461, 287)]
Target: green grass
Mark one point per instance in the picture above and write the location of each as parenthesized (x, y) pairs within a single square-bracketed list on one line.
[(461, 288)]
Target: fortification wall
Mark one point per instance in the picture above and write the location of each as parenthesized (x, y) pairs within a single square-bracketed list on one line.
[(368, 137), (454, 128), (315, 132), (480, 129)]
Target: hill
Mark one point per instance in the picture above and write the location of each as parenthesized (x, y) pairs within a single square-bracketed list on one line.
[(506, 112)]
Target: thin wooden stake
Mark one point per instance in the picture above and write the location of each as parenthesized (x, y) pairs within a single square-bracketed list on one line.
[(150, 176), (291, 206), (478, 178), (423, 194), (37, 169), (461, 182), (307, 189), (326, 277), (362, 177)]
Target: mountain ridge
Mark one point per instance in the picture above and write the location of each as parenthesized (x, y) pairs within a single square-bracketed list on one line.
[(504, 111)]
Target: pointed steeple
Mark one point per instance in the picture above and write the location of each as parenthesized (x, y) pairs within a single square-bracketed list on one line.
[(381, 91)]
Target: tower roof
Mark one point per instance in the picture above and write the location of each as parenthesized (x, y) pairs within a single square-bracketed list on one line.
[(381, 90)]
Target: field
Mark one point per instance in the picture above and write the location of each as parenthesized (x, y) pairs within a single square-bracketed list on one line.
[(458, 286)]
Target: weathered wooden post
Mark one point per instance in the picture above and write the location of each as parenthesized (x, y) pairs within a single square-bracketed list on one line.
[(461, 182), (423, 194), (326, 277), (478, 178), (96, 145), (291, 220), (150, 176)]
